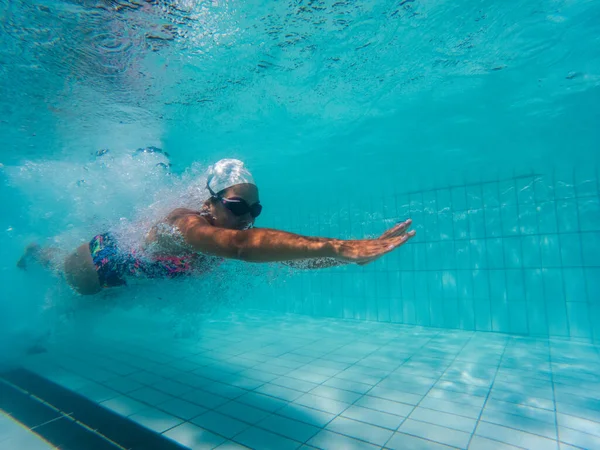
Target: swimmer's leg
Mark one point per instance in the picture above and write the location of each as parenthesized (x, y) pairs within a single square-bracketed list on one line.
[(35, 253), (78, 267), (80, 271)]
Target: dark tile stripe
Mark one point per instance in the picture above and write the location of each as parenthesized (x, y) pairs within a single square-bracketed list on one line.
[(115, 427), (51, 425)]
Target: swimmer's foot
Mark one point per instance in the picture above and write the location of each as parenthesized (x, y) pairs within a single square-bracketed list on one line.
[(30, 252), (36, 349)]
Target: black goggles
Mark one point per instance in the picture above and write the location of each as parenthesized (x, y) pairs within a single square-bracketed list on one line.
[(238, 206)]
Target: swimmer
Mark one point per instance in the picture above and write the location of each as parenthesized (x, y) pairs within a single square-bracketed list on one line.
[(191, 241)]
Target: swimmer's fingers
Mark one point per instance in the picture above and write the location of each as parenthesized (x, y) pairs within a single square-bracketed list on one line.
[(394, 242), (397, 230), (368, 250), (391, 244)]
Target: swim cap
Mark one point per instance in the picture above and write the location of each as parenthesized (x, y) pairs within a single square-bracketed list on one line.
[(226, 173)]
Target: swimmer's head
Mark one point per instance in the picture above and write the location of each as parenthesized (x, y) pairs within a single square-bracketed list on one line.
[(226, 173), (234, 199)]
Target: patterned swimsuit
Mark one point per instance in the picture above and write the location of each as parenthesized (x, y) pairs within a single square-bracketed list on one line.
[(113, 264)]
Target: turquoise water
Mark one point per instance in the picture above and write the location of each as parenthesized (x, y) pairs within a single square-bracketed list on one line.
[(478, 121), (352, 116)]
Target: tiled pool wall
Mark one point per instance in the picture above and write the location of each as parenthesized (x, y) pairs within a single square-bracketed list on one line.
[(518, 255)]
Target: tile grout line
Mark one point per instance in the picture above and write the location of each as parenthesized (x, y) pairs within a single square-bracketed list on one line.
[(288, 402), (439, 378), (366, 393), (553, 393), (489, 392), (585, 279), (323, 428), (521, 269), (541, 269), (562, 272)]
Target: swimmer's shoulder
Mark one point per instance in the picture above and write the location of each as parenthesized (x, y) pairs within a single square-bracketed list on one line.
[(189, 216)]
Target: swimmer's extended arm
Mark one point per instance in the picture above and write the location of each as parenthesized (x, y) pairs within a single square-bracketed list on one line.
[(324, 263), (267, 245)]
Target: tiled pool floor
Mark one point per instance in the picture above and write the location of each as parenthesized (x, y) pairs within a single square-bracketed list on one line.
[(262, 381)]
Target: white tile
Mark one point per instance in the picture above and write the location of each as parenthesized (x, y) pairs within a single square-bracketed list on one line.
[(328, 440), (579, 411), (402, 441), (321, 403), (242, 412), (336, 394), (279, 392), (205, 399), (457, 397), (273, 369), (97, 393), (156, 420), (563, 446), (481, 443), (435, 433), (373, 417), (230, 445), (383, 405), (245, 383), (181, 408), (125, 406), (184, 365), (123, 385), (193, 380), (578, 438), (522, 399), (460, 409), (223, 390), (146, 378), (514, 437), (404, 386), (194, 437), (360, 430), (542, 415), (292, 429), (396, 396), (520, 423), (353, 386), (150, 396), (579, 424), (260, 375), (293, 383), (453, 421), (307, 375), (172, 388), (546, 393), (353, 375), (307, 415), (220, 424), (261, 401)]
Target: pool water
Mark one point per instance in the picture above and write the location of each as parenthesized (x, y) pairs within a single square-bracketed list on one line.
[(478, 121)]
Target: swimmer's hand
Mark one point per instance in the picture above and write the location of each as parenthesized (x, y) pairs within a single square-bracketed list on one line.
[(397, 230), (368, 250)]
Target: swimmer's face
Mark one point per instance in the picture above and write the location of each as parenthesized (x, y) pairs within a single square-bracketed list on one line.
[(225, 218)]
